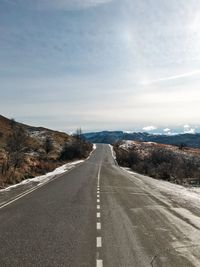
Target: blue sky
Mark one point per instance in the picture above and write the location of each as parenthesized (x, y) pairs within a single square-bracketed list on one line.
[(101, 64)]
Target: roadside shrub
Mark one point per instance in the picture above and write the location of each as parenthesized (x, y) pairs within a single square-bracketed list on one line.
[(160, 156), (161, 163), (44, 166), (76, 149), (48, 145), (16, 146), (126, 158)]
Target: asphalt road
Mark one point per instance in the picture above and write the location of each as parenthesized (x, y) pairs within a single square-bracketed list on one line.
[(95, 215)]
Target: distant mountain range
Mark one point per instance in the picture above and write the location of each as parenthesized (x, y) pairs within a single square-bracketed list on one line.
[(110, 137)]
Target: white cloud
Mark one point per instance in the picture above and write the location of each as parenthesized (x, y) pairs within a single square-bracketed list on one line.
[(128, 132), (186, 126), (169, 133), (188, 129), (166, 130), (103, 45), (173, 77), (69, 4), (149, 128)]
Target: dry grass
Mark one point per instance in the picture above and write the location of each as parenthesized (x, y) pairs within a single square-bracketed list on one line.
[(34, 158), (161, 161)]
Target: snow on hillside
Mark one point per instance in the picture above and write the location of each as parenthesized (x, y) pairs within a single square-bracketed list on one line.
[(40, 135), (146, 147)]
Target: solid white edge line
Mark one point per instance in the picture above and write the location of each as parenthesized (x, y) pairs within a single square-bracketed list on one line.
[(34, 189), (20, 196)]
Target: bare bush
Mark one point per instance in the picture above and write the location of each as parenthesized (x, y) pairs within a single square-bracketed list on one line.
[(48, 145), (16, 146), (161, 163), (77, 149)]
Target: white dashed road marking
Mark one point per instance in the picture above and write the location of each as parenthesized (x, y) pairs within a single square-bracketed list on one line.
[(99, 242), (99, 262), (98, 226)]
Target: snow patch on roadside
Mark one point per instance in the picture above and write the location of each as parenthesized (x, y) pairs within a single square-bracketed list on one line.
[(185, 201), (112, 151), (179, 192), (94, 147), (128, 144), (181, 209), (193, 219), (45, 178)]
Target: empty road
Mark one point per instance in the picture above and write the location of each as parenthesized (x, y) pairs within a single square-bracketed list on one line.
[(96, 215)]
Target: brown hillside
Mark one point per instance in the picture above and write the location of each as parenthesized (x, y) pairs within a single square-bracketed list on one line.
[(36, 135), (27, 151)]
